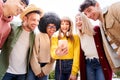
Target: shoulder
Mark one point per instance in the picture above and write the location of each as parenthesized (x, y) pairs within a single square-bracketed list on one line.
[(40, 34), (76, 36), (55, 34), (14, 28), (15, 25), (115, 4), (114, 7)]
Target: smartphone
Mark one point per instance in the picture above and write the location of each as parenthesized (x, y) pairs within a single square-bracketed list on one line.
[(63, 43)]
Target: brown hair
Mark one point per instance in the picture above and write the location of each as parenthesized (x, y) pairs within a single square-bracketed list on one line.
[(70, 34)]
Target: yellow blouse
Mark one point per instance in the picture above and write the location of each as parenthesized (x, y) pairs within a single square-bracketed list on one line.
[(73, 51)]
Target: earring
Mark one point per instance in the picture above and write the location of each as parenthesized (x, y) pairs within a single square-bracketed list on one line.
[(67, 34)]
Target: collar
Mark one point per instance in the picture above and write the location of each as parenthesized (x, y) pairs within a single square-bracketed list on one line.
[(105, 10)]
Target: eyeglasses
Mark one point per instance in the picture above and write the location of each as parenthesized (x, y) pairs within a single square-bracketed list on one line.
[(50, 27)]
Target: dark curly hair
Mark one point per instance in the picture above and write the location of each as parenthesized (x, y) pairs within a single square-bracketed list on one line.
[(49, 18)]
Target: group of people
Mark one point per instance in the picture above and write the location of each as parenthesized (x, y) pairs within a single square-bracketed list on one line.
[(93, 51)]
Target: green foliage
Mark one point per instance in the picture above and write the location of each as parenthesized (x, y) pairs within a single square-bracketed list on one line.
[(118, 74), (52, 75)]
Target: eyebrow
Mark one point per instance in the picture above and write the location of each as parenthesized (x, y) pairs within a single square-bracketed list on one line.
[(24, 2)]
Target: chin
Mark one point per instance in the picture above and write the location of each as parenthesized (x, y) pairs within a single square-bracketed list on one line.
[(94, 19)]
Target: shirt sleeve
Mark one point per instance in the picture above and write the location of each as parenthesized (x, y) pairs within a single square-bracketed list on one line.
[(48, 67), (54, 44), (34, 58), (76, 58)]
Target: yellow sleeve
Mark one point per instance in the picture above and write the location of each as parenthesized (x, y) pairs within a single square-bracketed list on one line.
[(76, 58), (54, 44)]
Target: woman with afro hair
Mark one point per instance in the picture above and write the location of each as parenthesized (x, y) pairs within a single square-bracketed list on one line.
[(41, 61)]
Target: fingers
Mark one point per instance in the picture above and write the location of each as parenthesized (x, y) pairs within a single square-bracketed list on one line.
[(41, 74), (61, 51)]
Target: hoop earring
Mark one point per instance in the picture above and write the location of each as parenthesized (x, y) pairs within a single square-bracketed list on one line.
[(67, 34)]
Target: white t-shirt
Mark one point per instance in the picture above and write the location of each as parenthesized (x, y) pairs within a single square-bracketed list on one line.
[(88, 46), (18, 56)]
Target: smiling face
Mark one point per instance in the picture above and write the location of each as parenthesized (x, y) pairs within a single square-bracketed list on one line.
[(13, 7), (93, 12), (31, 21), (78, 21), (51, 28), (65, 26)]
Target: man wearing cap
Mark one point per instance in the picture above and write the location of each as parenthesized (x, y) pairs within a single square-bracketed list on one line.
[(16, 52), (8, 9)]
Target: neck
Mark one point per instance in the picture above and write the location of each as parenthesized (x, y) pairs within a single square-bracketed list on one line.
[(26, 28), (100, 16)]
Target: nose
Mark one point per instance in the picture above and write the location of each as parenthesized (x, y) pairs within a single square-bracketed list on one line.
[(21, 8), (88, 15), (53, 29)]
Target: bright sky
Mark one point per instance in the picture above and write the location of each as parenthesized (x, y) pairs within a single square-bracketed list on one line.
[(61, 7), (65, 7)]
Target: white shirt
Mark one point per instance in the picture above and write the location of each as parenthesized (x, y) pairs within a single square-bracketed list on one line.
[(18, 56), (88, 46)]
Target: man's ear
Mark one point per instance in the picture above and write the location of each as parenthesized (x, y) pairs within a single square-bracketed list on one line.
[(24, 18), (97, 4)]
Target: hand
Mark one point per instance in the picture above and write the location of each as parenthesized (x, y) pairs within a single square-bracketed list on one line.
[(72, 77), (41, 74), (61, 51)]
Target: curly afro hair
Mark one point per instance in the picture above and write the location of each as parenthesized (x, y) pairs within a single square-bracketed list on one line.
[(49, 18)]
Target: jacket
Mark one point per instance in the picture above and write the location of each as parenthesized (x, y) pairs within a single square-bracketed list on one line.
[(8, 46), (41, 54), (102, 57), (111, 26)]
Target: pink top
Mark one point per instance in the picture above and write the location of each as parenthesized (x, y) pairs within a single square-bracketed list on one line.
[(5, 27)]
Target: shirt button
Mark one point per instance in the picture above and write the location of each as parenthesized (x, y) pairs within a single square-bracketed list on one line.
[(97, 45), (104, 68), (101, 57)]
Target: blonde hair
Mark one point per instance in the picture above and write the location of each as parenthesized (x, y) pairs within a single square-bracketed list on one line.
[(87, 27), (69, 33)]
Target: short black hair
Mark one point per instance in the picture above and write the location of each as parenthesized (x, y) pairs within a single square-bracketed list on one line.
[(49, 18), (86, 4), (25, 1)]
